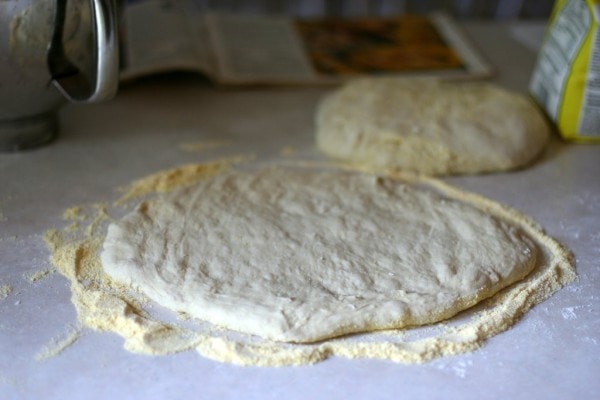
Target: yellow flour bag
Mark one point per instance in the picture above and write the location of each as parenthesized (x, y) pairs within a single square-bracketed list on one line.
[(566, 77)]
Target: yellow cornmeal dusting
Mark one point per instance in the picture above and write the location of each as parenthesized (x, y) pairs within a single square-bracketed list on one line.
[(204, 145), (5, 290), (37, 275), (170, 179), (105, 305), (76, 216), (73, 214), (59, 344), (100, 215)]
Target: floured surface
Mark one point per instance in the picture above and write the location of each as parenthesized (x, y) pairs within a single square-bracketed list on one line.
[(301, 256), (429, 126), (103, 304)]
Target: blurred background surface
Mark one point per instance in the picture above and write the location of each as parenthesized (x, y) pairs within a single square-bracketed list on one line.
[(460, 9)]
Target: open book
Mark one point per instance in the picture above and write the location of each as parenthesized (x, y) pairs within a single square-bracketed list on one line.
[(161, 35)]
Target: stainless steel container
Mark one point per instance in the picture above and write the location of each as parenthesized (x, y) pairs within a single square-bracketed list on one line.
[(52, 51)]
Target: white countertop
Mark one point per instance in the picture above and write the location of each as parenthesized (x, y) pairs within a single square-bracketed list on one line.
[(552, 353)]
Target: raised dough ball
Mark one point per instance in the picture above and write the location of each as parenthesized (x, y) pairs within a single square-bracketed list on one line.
[(429, 126)]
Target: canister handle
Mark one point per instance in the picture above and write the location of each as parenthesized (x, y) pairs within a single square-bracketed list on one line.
[(104, 80), (107, 62)]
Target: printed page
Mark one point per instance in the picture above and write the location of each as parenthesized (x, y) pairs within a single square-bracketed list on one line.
[(404, 45), (160, 36), (257, 49), (265, 49), (164, 35)]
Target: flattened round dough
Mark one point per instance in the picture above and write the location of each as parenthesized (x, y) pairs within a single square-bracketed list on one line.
[(297, 255), (429, 126)]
